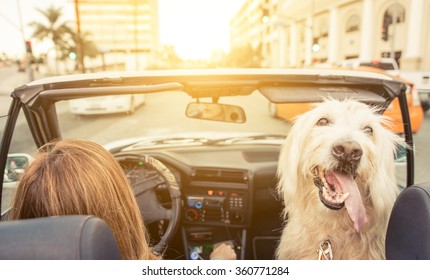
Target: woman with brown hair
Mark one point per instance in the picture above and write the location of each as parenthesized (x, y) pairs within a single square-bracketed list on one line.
[(79, 177)]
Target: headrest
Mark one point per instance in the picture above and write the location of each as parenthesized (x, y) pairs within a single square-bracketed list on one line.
[(408, 233), (58, 238)]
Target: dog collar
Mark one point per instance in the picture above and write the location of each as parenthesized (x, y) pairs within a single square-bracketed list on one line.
[(324, 251)]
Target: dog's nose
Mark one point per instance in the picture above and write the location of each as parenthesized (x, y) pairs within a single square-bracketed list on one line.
[(347, 151)]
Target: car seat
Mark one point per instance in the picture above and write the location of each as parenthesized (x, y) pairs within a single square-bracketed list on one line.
[(408, 232), (58, 238)]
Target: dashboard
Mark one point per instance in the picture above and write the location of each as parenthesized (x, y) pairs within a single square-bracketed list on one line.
[(218, 189)]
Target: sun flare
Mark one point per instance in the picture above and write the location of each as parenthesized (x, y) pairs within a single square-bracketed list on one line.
[(196, 35)]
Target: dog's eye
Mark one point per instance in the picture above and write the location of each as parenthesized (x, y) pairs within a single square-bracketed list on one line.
[(368, 130), (323, 122)]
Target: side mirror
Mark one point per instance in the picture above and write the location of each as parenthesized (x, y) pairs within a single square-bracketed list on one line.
[(15, 166), (216, 112), (400, 156)]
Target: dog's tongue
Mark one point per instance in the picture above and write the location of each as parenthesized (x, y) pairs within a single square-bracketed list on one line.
[(353, 202)]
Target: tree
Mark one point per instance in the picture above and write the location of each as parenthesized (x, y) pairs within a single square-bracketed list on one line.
[(243, 57), (73, 51), (54, 30), (88, 47), (167, 58)]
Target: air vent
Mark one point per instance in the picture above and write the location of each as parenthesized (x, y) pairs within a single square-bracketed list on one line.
[(220, 175)]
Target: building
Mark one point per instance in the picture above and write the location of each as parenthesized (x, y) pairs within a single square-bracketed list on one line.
[(124, 31), (250, 26), (304, 32)]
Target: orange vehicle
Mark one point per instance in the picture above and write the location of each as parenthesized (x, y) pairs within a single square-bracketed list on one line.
[(288, 111)]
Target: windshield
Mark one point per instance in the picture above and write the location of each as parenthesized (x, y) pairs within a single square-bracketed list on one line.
[(162, 116)]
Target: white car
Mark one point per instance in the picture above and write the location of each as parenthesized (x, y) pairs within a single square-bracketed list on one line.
[(106, 104), (389, 65)]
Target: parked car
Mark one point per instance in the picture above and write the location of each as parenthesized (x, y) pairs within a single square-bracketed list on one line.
[(421, 80), (21, 63), (225, 167), (288, 111), (389, 65), (106, 104)]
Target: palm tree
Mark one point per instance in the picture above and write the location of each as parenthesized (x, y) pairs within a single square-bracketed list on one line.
[(89, 49), (244, 56), (53, 29)]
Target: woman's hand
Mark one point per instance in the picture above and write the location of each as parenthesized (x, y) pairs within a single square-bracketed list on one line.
[(223, 252)]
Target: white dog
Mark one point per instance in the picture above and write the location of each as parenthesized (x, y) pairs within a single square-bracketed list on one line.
[(337, 178)]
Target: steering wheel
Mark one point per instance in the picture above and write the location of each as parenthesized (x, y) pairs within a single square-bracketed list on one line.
[(144, 190)]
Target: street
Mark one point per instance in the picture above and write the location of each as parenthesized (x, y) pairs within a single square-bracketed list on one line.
[(422, 151), (10, 78), (95, 127)]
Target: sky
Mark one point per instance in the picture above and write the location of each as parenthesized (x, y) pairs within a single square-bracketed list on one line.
[(194, 27)]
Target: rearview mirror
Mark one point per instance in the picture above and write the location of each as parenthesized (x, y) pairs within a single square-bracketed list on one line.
[(15, 166), (216, 112)]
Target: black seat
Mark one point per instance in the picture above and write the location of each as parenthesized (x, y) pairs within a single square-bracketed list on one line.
[(408, 233), (58, 238)]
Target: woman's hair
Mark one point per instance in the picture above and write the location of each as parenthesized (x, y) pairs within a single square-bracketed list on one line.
[(79, 177)]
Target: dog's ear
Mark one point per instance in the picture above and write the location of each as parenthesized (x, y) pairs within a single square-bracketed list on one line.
[(384, 189), (289, 161)]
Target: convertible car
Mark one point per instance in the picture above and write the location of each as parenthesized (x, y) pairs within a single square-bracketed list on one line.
[(207, 132)]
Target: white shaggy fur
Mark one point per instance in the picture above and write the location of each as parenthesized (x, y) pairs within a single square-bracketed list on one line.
[(308, 221)]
